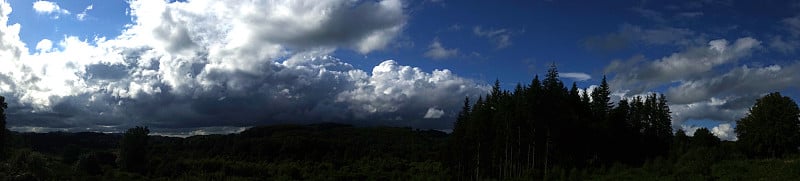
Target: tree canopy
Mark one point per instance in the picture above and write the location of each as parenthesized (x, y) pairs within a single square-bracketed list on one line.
[(772, 128), (133, 149), (704, 138)]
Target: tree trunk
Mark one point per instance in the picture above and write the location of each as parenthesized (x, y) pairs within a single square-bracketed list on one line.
[(546, 153), (478, 165)]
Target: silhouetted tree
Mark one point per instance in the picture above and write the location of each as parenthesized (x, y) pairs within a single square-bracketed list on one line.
[(704, 138), (460, 144), (680, 142), (772, 128), (663, 120), (133, 149), (601, 102)]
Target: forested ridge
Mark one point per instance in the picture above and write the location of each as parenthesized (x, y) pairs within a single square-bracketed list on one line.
[(538, 131)]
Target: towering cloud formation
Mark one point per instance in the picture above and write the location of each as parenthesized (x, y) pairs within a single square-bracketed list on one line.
[(221, 63)]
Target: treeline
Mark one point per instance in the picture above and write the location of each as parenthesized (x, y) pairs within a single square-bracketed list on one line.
[(326, 151), (536, 127)]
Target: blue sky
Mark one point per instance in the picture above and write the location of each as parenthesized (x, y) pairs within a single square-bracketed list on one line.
[(223, 66)]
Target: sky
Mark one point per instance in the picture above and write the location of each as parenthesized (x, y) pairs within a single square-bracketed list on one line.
[(201, 66)]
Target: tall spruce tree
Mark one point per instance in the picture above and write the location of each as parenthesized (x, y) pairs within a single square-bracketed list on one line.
[(601, 100)]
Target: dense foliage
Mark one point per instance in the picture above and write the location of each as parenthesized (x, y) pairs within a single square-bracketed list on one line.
[(772, 128), (133, 149), (325, 151), (318, 152)]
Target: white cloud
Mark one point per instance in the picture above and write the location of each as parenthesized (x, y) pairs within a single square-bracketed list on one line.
[(589, 91), (716, 109), (742, 80), (639, 75), (82, 16), (725, 132), (788, 44), (501, 38), (577, 76), (44, 45), (393, 87), (705, 82), (793, 25), (49, 8), (433, 113), (437, 51), (270, 60), (689, 129), (784, 45), (728, 97)]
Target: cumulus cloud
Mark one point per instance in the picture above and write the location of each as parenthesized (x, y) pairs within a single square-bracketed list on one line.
[(44, 45), (206, 64), (434, 113), (689, 129), (82, 16), (49, 8), (437, 51), (394, 88), (725, 132), (577, 76), (501, 38)]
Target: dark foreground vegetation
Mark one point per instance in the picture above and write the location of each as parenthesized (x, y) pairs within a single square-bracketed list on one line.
[(541, 131)]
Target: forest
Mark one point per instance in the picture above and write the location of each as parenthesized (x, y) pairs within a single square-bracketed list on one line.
[(538, 131)]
